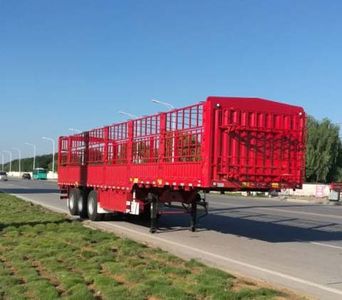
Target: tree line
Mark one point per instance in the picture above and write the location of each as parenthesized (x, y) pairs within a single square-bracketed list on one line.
[(323, 151), (42, 161), (323, 154)]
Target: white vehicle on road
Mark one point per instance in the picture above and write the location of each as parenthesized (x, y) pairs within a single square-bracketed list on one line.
[(3, 176)]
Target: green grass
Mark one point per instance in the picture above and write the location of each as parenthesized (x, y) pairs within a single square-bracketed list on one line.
[(44, 255)]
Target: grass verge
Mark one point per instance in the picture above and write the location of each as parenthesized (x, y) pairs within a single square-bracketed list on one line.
[(43, 255)]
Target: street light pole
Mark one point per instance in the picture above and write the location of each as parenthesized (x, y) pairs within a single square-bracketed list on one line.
[(53, 151), (75, 130), (10, 155), (2, 161), (168, 105), (34, 154), (19, 158), (173, 127), (127, 114)]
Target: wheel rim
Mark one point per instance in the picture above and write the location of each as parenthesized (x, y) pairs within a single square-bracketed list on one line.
[(72, 202), (80, 205), (91, 206)]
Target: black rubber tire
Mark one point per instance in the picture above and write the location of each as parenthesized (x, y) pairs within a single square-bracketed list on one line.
[(92, 207), (74, 195), (82, 205)]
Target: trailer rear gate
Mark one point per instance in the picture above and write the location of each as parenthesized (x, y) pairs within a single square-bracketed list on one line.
[(223, 143)]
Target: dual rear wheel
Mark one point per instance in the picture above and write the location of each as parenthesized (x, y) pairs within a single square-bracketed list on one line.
[(73, 199), (92, 207), (83, 204)]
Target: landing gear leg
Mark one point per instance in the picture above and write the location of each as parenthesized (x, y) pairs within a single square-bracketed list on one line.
[(154, 211), (193, 215)]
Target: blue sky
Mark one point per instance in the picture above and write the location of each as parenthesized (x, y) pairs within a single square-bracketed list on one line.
[(76, 63)]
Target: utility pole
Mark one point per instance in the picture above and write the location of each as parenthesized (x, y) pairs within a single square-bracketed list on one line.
[(168, 105), (127, 114), (53, 151), (2, 161), (19, 158), (75, 130), (173, 124), (10, 155), (34, 154)]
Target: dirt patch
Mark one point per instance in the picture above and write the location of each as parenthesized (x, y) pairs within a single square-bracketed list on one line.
[(153, 298), (120, 279), (12, 270), (96, 294), (240, 284), (44, 273)]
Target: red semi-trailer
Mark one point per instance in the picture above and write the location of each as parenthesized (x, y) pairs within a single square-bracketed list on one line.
[(222, 144)]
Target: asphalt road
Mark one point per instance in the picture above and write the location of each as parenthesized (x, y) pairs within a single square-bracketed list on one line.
[(292, 245)]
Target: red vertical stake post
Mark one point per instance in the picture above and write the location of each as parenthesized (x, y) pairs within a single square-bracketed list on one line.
[(303, 140), (106, 139), (130, 142), (207, 148), (217, 142), (86, 148), (69, 150), (59, 151), (162, 136), (105, 153), (175, 136)]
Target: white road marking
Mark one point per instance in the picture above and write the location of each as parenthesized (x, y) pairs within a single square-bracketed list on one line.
[(326, 245), (285, 210), (303, 213)]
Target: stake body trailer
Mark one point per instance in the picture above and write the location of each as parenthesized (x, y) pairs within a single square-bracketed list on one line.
[(222, 144)]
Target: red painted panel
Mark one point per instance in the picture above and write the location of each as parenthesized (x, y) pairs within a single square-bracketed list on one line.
[(258, 142), (114, 200)]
